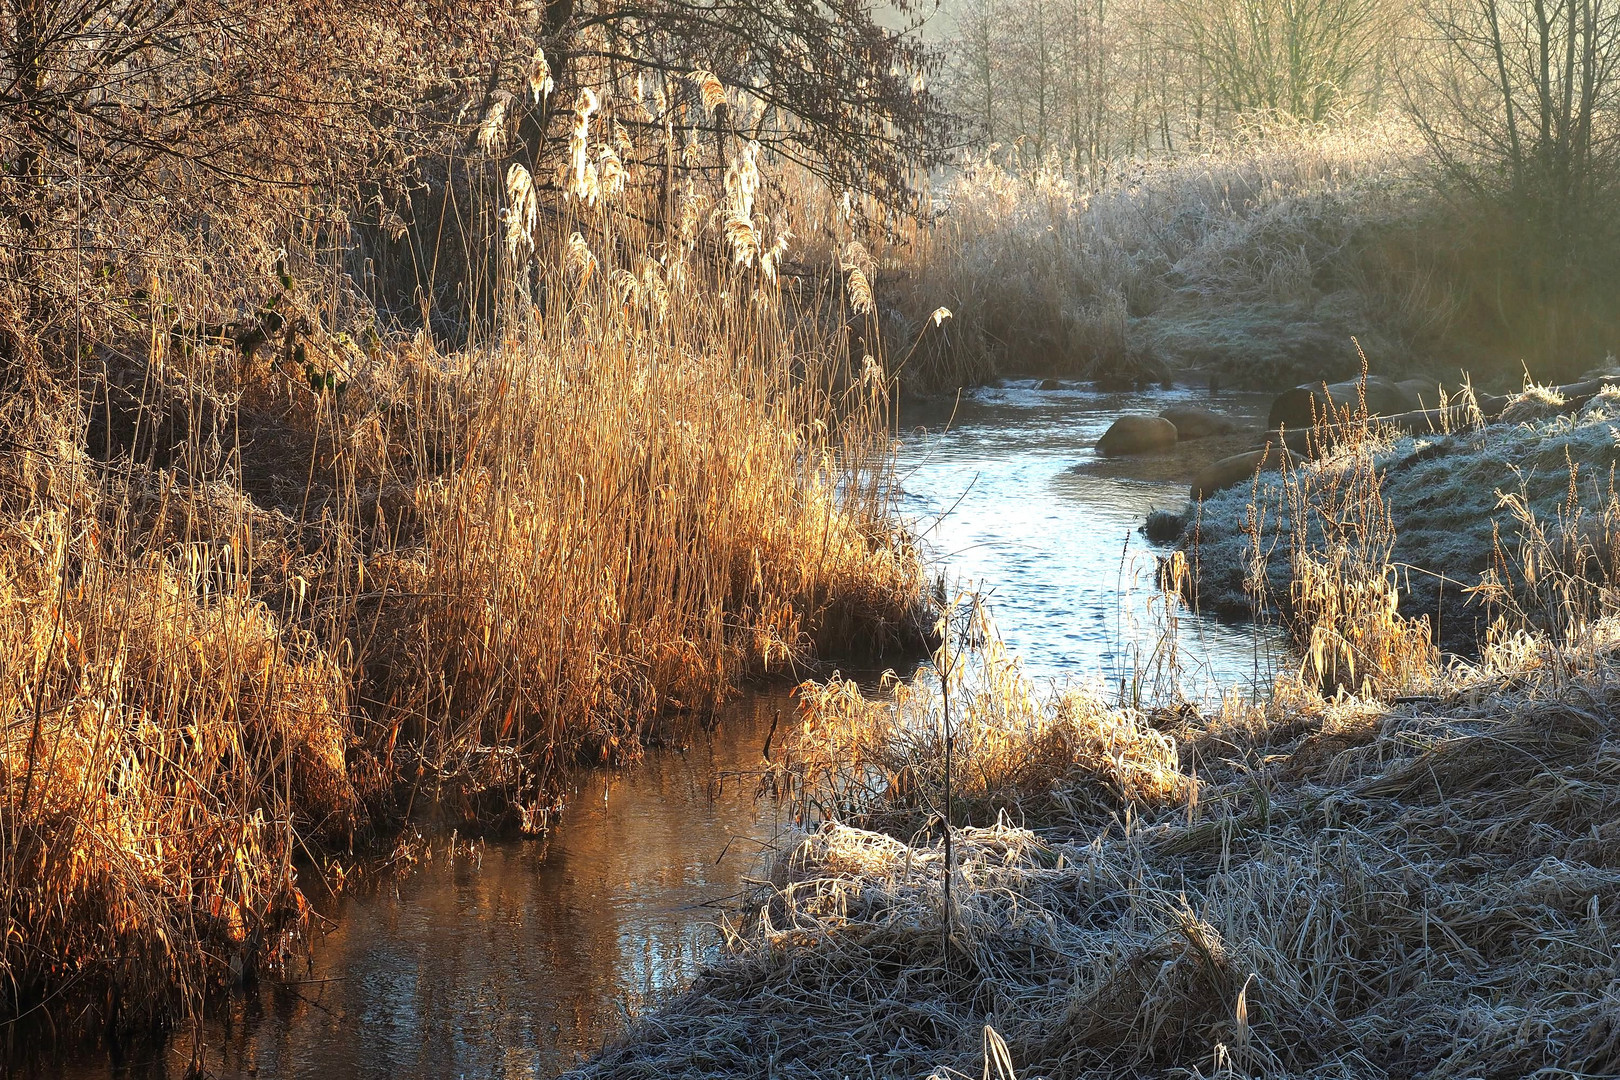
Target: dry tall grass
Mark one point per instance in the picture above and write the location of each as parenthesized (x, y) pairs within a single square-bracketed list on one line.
[(259, 602), (1015, 749), (1252, 256), (1344, 599)]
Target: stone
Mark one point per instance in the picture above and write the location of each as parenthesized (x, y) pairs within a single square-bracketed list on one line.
[(1137, 435), (1304, 405), (1237, 469), (1194, 423)]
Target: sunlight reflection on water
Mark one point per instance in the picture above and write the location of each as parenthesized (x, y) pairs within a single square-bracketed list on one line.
[(1006, 492), (510, 961)]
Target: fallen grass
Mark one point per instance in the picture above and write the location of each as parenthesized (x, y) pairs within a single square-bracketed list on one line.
[(1341, 888)]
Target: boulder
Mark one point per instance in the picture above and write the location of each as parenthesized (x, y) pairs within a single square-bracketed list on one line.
[(1193, 423), (1424, 393), (1050, 384), (1315, 441), (1237, 469), (1304, 405), (1137, 435)]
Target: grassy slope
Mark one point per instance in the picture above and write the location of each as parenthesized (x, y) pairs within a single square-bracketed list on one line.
[(1444, 494), (1257, 259)]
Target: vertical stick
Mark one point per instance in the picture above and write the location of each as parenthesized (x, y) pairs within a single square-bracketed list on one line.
[(945, 692)]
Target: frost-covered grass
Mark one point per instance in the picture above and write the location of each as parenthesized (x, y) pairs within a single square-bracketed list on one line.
[(1313, 889), (1258, 258), (1448, 498)]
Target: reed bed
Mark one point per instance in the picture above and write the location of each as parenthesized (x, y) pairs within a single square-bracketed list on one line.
[(261, 605)]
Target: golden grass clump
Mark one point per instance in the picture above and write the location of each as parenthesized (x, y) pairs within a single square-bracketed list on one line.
[(1343, 608), (165, 742), (641, 527), (1058, 756)]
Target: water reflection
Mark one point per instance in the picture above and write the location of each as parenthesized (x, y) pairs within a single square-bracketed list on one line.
[(511, 960), (514, 958)]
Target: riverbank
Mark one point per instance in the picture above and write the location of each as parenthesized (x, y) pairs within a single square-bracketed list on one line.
[(262, 608), (1259, 258), (1365, 888), (1512, 520), (1395, 863)]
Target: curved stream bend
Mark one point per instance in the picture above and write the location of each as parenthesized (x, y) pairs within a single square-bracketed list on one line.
[(512, 959)]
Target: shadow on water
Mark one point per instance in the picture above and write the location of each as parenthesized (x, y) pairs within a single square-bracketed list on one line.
[(511, 958), (514, 958)]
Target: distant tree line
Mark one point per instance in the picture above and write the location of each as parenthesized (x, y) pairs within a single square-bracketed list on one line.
[(1519, 99), (1095, 79)]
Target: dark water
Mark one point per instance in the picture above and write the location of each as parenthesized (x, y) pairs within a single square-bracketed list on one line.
[(512, 959)]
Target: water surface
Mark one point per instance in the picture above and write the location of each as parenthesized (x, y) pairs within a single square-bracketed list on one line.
[(514, 959), (1007, 494)]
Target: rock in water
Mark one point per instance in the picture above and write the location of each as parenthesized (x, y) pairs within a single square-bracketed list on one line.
[(1305, 405), (1137, 435), (1192, 423), (1237, 469)]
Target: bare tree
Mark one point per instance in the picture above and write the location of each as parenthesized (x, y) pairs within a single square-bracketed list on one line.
[(194, 131), (1098, 78), (1520, 101), (1302, 58), (979, 56), (226, 127)]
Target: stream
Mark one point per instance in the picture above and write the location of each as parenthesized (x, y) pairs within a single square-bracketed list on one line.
[(517, 958)]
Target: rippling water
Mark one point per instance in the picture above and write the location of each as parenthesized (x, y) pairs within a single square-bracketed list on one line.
[(512, 959), (1007, 494)]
